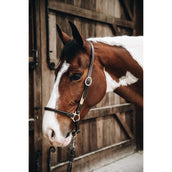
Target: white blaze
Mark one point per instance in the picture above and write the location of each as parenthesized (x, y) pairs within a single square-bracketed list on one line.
[(49, 120)]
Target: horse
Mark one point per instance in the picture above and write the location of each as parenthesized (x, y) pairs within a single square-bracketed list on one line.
[(115, 66)]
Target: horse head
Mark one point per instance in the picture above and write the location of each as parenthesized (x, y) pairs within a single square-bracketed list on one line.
[(69, 86)]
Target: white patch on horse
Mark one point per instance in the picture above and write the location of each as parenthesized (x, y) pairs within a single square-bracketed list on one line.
[(128, 79), (133, 44), (55, 92), (49, 120)]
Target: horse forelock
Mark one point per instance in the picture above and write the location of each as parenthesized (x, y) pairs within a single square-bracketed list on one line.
[(70, 50)]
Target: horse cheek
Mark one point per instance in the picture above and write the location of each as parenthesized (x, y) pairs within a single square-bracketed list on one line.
[(98, 88)]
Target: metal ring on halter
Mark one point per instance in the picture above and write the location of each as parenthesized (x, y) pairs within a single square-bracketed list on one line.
[(88, 81), (77, 116)]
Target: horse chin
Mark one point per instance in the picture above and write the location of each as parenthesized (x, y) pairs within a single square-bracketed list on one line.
[(65, 142)]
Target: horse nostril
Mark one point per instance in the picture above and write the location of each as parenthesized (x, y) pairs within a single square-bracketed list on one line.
[(67, 135), (53, 134)]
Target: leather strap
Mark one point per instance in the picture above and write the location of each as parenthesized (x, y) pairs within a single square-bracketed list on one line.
[(68, 114)]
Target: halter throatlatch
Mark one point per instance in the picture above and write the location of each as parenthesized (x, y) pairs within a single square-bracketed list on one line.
[(76, 115)]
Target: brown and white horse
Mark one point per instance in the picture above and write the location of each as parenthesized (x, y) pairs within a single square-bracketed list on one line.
[(115, 68)]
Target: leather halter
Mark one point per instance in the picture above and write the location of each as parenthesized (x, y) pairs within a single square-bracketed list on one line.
[(76, 115)]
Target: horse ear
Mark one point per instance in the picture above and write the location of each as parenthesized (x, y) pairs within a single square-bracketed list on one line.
[(80, 40), (63, 36)]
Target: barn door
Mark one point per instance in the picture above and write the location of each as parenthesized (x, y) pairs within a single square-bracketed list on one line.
[(35, 137), (109, 128), (93, 19)]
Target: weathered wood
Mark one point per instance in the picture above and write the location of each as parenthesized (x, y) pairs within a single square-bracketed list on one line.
[(99, 124), (85, 137), (134, 122), (115, 30), (134, 17), (99, 158), (108, 110), (125, 4), (92, 135), (106, 131), (88, 14), (55, 59), (45, 77), (52, 38), (124, 125), (123, 133), (117, 99), (37, 95), (117, 130), (31, 124), (79, 141)]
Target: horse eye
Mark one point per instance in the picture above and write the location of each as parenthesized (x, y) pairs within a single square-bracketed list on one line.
[(75, 76)]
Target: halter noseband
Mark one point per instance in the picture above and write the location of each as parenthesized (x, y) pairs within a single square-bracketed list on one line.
[(76, 115)]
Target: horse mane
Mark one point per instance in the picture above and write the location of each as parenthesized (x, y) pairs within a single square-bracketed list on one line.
[(133, 44)]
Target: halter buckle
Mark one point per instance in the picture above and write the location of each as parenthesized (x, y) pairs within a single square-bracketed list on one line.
[(76, 117), (88, 81)]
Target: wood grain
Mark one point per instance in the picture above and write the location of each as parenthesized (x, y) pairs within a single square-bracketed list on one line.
[(88, 14)]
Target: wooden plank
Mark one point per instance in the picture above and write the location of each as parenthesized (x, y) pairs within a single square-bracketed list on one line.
[(124, 125), (134, 17), (31, 151), (79, 142), (112, 132), (134, 122), (45, 76), (92, 135), (37, 93), (117, 99), (101, 157), (99, 125), (108, 110), (129, 119), (115, 29), (106, 131), (117, 130), (123, 133), (77, 3), (31, 124), (85, 137), (88, 14), (31, 93), (122, 100), (116, 7), (127, 9), (53, 38)]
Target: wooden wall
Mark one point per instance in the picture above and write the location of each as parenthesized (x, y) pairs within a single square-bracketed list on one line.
[(108, 131)]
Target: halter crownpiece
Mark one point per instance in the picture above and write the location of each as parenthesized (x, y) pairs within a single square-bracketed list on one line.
[(76, 115)]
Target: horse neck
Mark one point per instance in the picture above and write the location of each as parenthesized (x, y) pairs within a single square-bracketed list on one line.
[(117, 62)]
